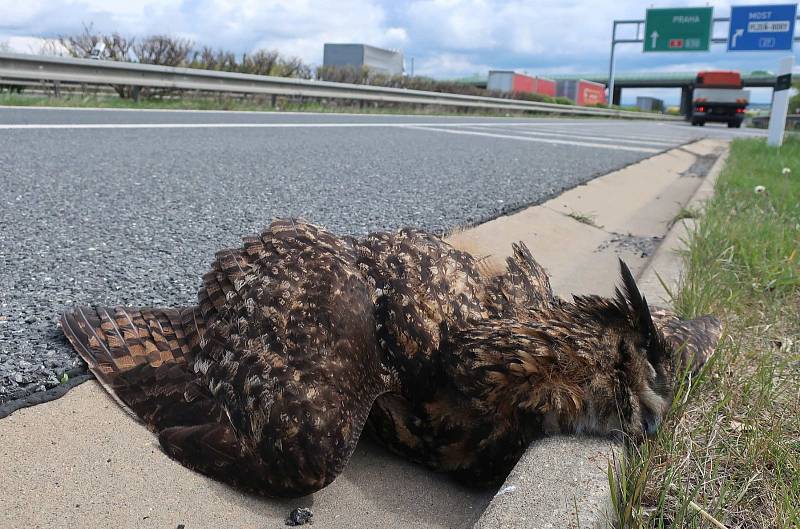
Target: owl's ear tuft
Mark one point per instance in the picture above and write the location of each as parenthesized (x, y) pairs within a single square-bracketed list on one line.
[(640, 317)]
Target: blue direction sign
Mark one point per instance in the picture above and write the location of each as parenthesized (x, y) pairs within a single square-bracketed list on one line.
[(762, 28)]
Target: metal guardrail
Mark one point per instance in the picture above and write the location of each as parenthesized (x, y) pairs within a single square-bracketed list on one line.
[(762, 122), (88, 71)]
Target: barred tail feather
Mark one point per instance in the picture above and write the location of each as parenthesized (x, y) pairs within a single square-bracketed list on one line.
[(143, 358)]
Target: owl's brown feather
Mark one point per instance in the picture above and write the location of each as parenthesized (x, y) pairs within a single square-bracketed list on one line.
[(300, 339)]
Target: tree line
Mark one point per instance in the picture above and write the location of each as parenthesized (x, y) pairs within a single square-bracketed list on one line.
[(166, 50)]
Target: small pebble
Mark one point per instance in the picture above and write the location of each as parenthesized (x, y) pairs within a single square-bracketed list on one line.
[(299, 516)]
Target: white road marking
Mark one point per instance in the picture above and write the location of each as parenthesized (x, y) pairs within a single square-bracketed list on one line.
[(538, 120), (599, 137), (540, 140), (227, 125), (727, 131), (629, 135), (24, 126)]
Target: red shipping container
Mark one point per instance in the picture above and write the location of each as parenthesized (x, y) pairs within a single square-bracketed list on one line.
[(719, 79), (546, 87), (590, 93), (509, 81), (522, 84)]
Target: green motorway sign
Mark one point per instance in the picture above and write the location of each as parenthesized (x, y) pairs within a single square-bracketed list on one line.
[(679, 29)]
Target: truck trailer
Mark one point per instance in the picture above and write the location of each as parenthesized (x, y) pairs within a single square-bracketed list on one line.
[(719, 97), (510, 81), (583, 92)]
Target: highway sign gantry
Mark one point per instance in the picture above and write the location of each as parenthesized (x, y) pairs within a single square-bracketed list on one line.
[(678, 29), (762, 27)]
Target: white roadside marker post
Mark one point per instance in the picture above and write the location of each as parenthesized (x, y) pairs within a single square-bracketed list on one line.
[(780, 103)]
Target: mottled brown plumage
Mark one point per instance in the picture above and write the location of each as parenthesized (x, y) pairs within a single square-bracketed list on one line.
[(300, 339)]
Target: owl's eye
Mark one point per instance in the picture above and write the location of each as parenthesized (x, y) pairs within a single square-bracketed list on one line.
[(650, 421)]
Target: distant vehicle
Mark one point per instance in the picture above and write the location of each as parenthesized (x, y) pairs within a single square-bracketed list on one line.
[(719, 97)]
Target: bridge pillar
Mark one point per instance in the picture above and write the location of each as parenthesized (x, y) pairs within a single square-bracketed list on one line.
[(616, 98), (687, 93)]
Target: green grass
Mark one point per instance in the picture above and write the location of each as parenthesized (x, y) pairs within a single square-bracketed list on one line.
[(685, 213), (729, 453)]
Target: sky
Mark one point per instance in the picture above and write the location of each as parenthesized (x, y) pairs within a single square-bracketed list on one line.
[(446, 38)]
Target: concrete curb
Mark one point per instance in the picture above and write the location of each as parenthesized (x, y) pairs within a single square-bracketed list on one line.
[(665, 268), (562, 482)]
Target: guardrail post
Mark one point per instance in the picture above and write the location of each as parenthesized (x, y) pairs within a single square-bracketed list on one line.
[(135, 91), (274, 100), (57, 88)]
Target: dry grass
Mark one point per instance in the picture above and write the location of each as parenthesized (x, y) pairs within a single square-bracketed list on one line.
[(584, 218), (729, 454)]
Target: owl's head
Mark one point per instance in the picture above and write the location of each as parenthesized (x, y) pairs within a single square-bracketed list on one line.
[(644, 357)]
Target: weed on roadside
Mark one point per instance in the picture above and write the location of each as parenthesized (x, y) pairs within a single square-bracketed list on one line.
[(584, 218)]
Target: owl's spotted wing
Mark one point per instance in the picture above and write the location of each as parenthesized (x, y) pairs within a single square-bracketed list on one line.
[(423, 289), (525, 284), (267, 384), (291, 353)]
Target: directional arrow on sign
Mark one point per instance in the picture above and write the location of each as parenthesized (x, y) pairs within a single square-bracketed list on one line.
[(739, 32), (654, 37)]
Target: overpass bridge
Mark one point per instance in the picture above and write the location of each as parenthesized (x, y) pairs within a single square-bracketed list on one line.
[(682, 80)]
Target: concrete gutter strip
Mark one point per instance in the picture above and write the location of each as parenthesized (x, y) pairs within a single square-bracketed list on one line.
[(81, 461)]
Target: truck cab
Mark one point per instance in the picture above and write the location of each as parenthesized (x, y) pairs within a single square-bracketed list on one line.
[(719, 97)]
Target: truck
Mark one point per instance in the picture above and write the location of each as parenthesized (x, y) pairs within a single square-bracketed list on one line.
[(719, 97)]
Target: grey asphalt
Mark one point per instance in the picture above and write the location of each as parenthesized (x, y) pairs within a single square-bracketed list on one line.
[(128, 207)]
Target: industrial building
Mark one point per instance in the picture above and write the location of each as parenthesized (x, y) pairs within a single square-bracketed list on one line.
[(649, 104), (388, 62)]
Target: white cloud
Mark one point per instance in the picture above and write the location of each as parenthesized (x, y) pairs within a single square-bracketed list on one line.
[(447, 37), (34, 45), (448, 65), (298, 27)]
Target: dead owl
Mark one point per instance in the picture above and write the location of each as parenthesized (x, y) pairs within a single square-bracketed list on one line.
[(300, 340)]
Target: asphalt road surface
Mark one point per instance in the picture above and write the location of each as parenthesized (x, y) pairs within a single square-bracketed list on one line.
[(114, 207)]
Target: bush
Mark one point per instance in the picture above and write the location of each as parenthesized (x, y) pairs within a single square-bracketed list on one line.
[(164, 50)]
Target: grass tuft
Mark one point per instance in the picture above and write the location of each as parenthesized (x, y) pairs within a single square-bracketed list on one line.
[(685, 213), (728, 454), (583, 218)]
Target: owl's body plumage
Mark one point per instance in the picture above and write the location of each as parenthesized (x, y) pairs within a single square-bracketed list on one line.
[(301, 339)]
